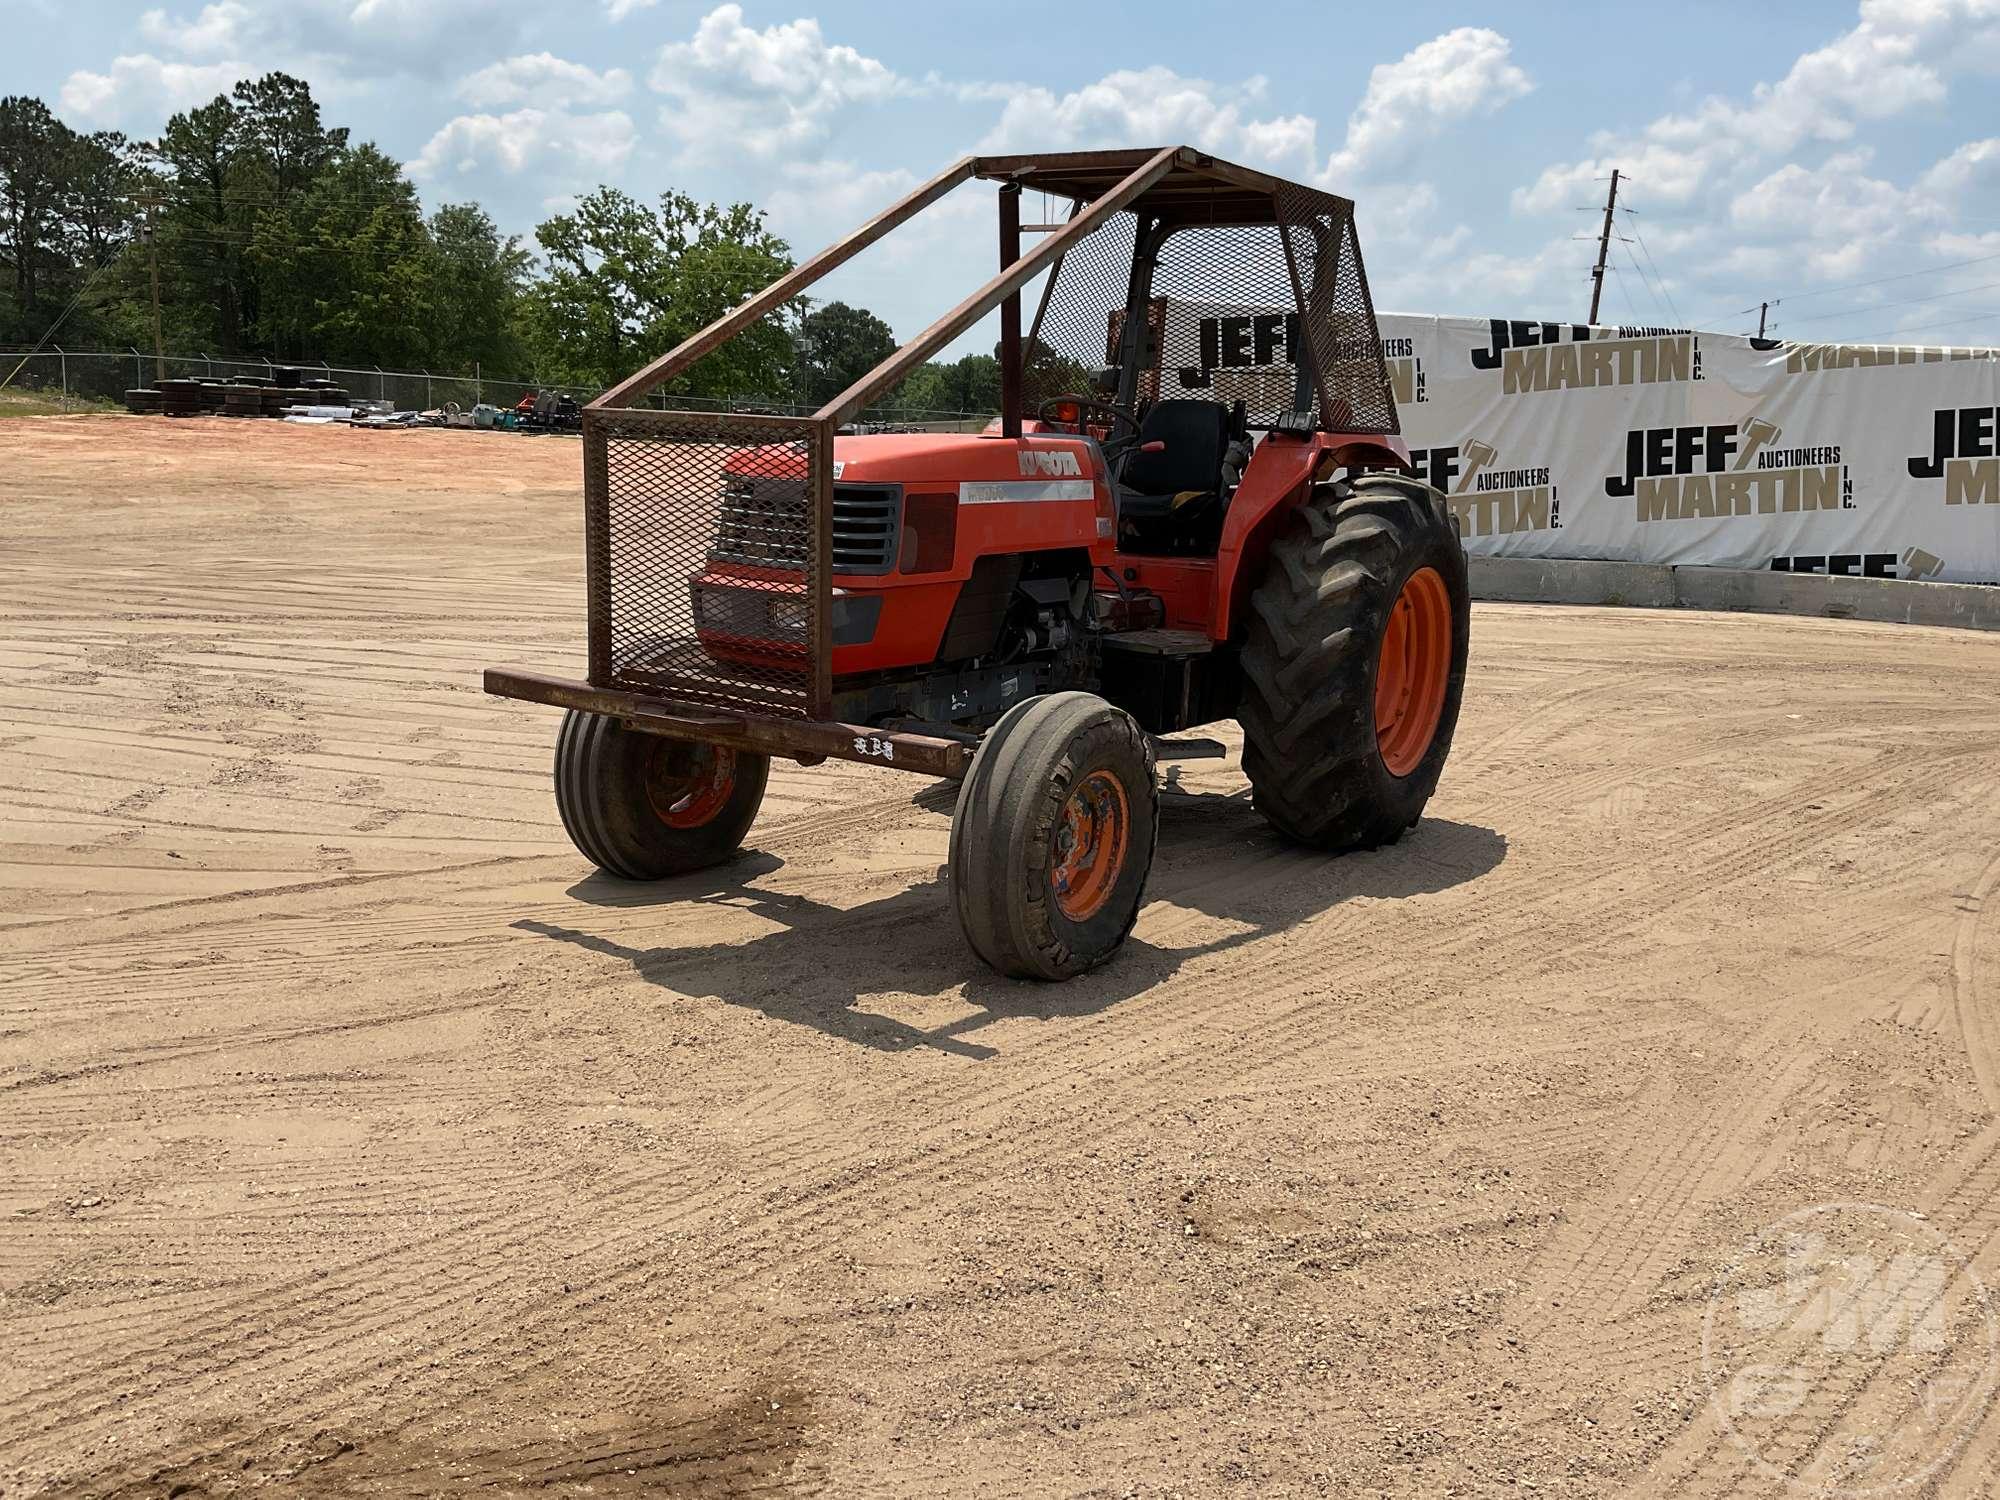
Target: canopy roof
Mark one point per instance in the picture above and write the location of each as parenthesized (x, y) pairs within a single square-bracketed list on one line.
[(1198, 188)]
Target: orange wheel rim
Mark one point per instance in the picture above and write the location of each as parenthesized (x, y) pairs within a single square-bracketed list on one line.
[(1413, 671), (1091, 838), (688, 784)]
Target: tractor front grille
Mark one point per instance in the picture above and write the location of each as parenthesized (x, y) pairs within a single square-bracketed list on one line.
[(866, 527), (762, 523)]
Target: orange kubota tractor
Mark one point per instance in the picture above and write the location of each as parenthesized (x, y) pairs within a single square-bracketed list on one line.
[(1193, 506)]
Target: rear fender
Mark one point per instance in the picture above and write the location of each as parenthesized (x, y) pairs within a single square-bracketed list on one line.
[(1281, 474)]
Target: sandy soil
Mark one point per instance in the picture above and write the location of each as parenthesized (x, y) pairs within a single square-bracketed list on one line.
[(355, 1139)]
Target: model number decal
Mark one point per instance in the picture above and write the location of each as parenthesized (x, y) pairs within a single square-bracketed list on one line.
[(867, 744)]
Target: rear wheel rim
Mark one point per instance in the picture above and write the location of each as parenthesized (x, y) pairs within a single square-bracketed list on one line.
[(688, 784), (1412, 672), (1091, 839)]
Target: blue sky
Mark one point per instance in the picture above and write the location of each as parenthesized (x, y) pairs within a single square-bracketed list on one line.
[(1843, 159)]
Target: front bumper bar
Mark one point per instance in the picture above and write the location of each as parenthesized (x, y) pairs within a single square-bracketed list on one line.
[(804, 740)]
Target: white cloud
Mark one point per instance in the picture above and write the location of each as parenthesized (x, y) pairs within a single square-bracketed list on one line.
[(340, 45), (617, 10), (217, 31), (732, 86), (551, 142), (1894, 59), (141, 90), (540, 78), (1970, 172), (1153, 107), (1465, 72), (1739, 198)]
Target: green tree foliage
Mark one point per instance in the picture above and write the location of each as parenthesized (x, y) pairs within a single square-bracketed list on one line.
[(969, 384), (344, 267), (279, 236), (837, 345), (477, 279), (205, 223), (65, 212), (624, 283)]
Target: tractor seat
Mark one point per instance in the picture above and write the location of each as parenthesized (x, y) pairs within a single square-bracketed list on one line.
[(1155, 485)]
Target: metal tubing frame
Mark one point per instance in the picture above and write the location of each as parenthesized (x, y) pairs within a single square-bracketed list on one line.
[(1010, 313), (807, 740), (893, 370)]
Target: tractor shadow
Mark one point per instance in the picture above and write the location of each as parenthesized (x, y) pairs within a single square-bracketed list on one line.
[(1225, 878)]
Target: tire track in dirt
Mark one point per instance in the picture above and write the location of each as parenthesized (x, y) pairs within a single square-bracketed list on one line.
[(1187, 1033), (1977, 1023), (942, 1164)]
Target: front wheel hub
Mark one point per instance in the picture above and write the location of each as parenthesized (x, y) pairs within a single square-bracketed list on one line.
[(1413, 671), (688, 784), (1091, 838)]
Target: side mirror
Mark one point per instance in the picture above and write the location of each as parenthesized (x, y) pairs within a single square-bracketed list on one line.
[(1155, 446)]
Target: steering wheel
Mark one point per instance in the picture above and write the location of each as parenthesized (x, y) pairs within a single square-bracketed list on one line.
[(1121, 416)]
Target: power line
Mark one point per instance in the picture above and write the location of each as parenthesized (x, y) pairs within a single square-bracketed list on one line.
[(1659, 306), (1879, 280), (1920, 327), (62, 316), (1647, 251), (1848, 312)]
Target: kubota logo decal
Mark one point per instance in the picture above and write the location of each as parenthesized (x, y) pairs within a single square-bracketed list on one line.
[(1054, 462)]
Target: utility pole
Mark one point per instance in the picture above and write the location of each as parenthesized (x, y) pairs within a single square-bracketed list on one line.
[(1762, 309), (1603, 249), (153, 256)]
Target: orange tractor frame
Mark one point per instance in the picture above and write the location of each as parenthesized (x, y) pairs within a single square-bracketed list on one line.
[(1194, 505)]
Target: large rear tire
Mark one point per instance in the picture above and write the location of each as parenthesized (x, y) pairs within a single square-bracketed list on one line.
[(1053, 837), (1354, 663), (643, 807)]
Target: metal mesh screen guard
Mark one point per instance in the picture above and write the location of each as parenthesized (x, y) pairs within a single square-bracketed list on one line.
[(706, 544), (1275, 315)]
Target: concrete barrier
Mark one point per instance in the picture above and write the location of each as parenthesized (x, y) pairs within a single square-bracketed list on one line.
[(1535, 580), (1966, 606)]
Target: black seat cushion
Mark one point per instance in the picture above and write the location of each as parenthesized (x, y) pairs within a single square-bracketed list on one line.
[(1196, 434)]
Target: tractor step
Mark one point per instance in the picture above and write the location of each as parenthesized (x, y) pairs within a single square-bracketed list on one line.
[(1188, 749), (1160, 642)]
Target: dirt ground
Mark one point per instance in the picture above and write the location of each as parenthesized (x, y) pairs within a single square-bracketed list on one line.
[(356, 1140)]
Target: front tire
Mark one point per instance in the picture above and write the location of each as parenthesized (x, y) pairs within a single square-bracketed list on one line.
[(1053, 837), (643, 807), (1354, 663)]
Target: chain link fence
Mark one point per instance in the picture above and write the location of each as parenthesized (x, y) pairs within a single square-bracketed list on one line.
[(80, 379)]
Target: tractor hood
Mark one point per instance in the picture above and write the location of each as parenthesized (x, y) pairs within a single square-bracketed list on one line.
[(934, 460), (945, 460)]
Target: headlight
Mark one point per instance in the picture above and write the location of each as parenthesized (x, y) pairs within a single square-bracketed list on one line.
[(789, 615)]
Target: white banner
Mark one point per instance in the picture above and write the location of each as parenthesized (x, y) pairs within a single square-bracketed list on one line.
[(1667, 446)]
